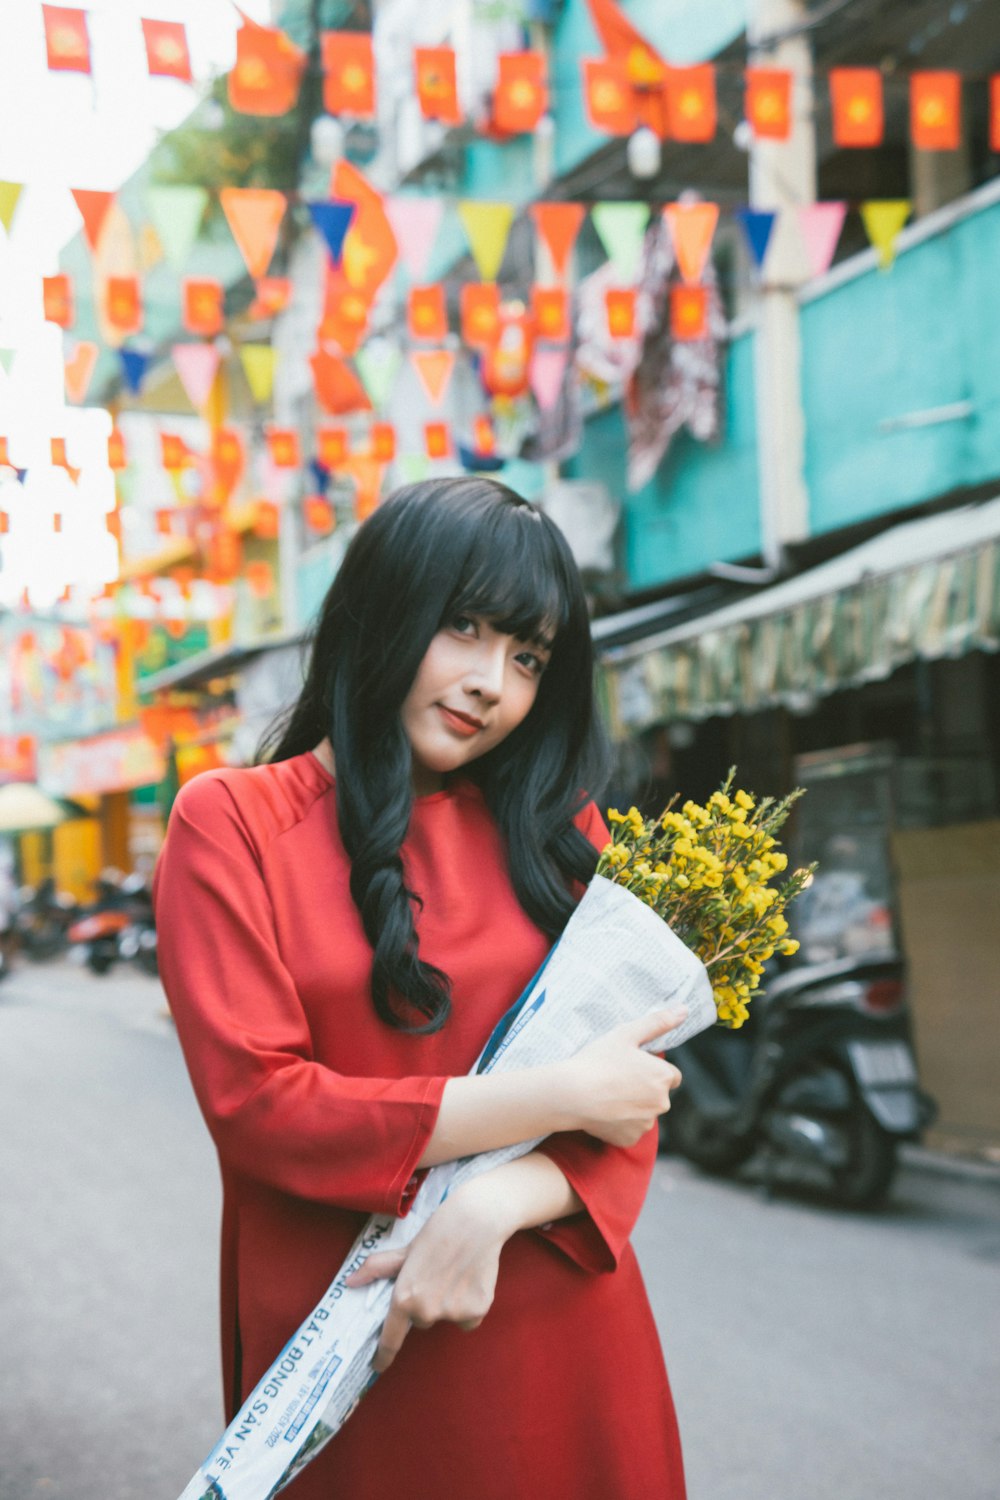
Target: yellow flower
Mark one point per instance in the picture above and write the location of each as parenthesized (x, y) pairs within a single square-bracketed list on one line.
[(614, 816), (739, 878), (721, 801), (777, 925), (740, 830), (777, 861), (789, 946), (696, 814), (744, 800), (682, 882)]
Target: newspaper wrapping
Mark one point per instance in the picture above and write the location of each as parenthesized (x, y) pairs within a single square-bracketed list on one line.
[(615, 961)]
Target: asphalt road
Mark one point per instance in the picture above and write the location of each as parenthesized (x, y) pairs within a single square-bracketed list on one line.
[(814, 1355)]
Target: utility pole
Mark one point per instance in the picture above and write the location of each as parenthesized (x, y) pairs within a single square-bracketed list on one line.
[(782, 178)]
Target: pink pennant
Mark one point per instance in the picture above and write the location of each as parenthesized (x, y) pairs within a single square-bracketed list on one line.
[(820, 225), (197, 366), (546, 375), (415, 223)]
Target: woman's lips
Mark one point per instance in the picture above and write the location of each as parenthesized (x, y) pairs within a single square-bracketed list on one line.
[(458, 724)]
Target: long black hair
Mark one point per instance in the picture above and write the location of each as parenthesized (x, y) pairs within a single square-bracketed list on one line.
[(432, 551)]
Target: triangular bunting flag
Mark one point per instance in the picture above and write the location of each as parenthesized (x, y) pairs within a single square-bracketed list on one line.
[(883, 219), (254, 216), (486, 226), (259, 361), (333, 220), (621, 227), (691, 226), (820, 225), (415, 223), (378, 364), (197, 366), (93, 208), (10, 195), (176, 214), (7, 359), (758, 225), (557, 225), (79, 369), (546, 375), (135, 363), (434, 367)]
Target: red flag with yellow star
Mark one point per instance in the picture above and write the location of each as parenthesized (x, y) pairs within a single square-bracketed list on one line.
[(521, 96), (167, 54), (267, 73), (858, 110), (936, 111), (349, 74), (67, 42), (437, 84), (768, 102), (690, 100)]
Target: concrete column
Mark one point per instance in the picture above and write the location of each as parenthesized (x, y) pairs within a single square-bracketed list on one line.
[(782, 177)]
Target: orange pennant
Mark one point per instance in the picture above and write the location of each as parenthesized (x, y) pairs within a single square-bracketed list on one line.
[(79, 369), (228, 461), (437, 439), (202, 306), (93, 208), (434, 367), (268, 71), (427, 313), (858, 109), (521, 96), (479, 305), (254, 216), (691, 109), (608, 95), (167, 53), (550, 310), (57, 299), (936, 111), (349, 74), (67, 43), (338, 389), (768, 102), (331, 446), (437, 84), (691, 226), (123, 303), (619, 302), (558, 225), (688, 312)]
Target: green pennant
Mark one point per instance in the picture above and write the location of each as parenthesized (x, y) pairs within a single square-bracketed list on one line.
[(7, 359), (176, 215), (621, 228), (10, 195), (413, 467), (377, 363)]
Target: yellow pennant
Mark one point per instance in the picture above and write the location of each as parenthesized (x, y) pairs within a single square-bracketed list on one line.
[(883, 219), (258, 361), (10, 193), (486, 226)]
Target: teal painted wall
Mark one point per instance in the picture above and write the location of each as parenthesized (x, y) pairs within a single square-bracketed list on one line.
[(701, 506), (889, 343)]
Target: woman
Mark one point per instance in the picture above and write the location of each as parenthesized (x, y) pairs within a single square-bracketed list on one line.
[(340, 930)]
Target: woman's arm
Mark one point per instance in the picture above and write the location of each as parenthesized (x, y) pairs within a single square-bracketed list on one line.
[(449, 1272), (611, 1089)]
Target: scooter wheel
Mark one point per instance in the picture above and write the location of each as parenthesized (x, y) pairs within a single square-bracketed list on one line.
[(704, 1140), (866, 1179)]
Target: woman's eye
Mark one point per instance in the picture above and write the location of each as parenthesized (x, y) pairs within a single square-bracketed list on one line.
[(537, 665), (460, 622)]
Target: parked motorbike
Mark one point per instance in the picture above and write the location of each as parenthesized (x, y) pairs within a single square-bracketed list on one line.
[(823, 1073), (123, 908), (42, 919)]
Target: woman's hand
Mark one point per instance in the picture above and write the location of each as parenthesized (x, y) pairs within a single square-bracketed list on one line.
[(448, 1273), (619, 1090)]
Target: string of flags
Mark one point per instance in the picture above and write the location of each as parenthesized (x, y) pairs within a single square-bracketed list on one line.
[(630, 86)]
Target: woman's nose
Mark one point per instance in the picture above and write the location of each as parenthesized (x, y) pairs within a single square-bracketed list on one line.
[(486, 676)]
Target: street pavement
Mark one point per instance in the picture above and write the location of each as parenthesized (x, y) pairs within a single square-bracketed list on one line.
[(814, 1354)]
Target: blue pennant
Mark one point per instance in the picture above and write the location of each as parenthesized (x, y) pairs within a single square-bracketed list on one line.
[(757, 226), (321, 475), (333, 220), (134, 367)]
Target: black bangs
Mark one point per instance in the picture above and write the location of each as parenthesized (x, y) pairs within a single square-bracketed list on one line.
[(514, 576)]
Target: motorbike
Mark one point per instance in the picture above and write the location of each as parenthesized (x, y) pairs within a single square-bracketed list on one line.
[(823, 1074), (121, 914), (42, 918)]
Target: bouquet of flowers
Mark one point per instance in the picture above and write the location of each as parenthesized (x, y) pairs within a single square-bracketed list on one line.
[(680, 911), (707, 871)]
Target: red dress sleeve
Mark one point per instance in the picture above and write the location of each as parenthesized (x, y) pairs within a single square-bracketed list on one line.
[(610, 1181), (275, 1114)]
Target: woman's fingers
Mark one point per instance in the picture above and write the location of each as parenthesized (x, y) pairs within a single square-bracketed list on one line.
[(394, 1330), (383, 1265), (647, 1028)]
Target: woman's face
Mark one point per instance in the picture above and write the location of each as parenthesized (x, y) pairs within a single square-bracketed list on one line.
[(474, 686)]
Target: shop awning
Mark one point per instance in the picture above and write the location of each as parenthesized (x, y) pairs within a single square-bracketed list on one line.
[(929, 588)]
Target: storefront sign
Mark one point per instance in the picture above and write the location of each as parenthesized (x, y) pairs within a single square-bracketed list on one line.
[(112, 762)]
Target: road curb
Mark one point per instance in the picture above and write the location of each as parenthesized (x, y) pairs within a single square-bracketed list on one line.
[(919, 1159)]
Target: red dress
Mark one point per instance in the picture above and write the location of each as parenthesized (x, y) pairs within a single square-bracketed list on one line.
[(320, 1112)]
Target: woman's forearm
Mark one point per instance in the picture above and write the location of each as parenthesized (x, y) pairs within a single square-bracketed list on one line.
[(489, 1111), (521, 1194)]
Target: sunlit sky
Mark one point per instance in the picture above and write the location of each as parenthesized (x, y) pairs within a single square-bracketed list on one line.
[(60, 131)]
